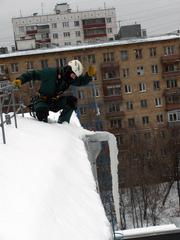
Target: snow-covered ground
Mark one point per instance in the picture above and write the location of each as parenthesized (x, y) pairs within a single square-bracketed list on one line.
[(47, 190)]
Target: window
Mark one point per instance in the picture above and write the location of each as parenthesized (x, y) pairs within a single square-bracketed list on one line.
[(78, 42), (124, 55), (54, 25), (2, 68), (21, 29), (65, 24), (125, 72), (174, 116), (158, 102), (108, 20), (140, 70), (171, 83), (109, 30), (108, 57), (113, 107), (76, 23), (14, 67), (119, 139), (78, 33), (55, 35), (95, 92), (142, 87), (143, 103), (109, 75), (44, 35), (152, 52), (66, 34), (171, 68), (138, 53), (113, 90), (116, 123), (67, 43), (91, 58), (60, 62), (81, 94), (44, 64), (128, 88), (82, 110), (154, 69), (78, 58), (29, 65), (156, 85), (131, 122), (129, 105), (145, 120), (168, 50), (159, 118)]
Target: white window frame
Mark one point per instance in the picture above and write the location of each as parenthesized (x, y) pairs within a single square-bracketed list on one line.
[(2, 68), (55, 36), (174, 116), (128, 88), (158, 102), (154, 69), (14, 67), (125, 72), (142, 87), (168, 50)]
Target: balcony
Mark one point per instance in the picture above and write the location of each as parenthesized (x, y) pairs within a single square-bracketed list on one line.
[(172, 91), (97, 35), (174, 124), (4, 76), (115, 114), (31, 32), (45, 40), (112, 98), (109, 65), (170, 58), (172, 106), (94, 25), (172, 98), (171, 74)]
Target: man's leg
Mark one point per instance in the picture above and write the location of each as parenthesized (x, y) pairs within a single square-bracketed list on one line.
[(68, 104), (42, 110)]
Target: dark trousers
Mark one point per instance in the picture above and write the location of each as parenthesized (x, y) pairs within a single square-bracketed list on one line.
[(65, 103)]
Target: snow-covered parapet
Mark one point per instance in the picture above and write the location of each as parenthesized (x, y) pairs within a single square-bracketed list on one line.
[(93, 145)]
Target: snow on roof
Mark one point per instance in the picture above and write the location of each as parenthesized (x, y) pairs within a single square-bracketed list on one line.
[(47, 187), (147, 230), (89, 46)]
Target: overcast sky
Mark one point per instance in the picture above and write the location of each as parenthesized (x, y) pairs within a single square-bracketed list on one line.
[(157, 16)]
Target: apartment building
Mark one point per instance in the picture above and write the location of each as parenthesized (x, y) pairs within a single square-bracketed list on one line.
[(64, 27), (136, 88)]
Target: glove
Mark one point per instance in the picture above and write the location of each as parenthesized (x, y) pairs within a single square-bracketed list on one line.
[(91, 71), (17, 83)]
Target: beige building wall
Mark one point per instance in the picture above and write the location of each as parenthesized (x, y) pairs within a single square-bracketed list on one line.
[(118, 65)]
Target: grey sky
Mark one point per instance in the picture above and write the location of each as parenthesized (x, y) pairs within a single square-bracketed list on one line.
[(157, 16)]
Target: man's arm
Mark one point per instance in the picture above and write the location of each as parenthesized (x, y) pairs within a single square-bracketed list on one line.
[(30, 76), (82, 80)]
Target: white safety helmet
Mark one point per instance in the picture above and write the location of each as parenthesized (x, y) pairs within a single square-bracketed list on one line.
[(76, 67)]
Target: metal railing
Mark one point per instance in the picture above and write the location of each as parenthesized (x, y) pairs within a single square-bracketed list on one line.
[(8, 106)]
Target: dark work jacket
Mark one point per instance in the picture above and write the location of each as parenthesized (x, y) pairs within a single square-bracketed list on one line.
[(50, 84)]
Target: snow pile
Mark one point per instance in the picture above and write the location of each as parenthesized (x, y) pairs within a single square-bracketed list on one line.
[(47, 190)]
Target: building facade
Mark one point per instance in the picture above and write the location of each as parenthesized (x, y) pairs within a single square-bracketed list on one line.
[(64, 27), (136, 89)]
